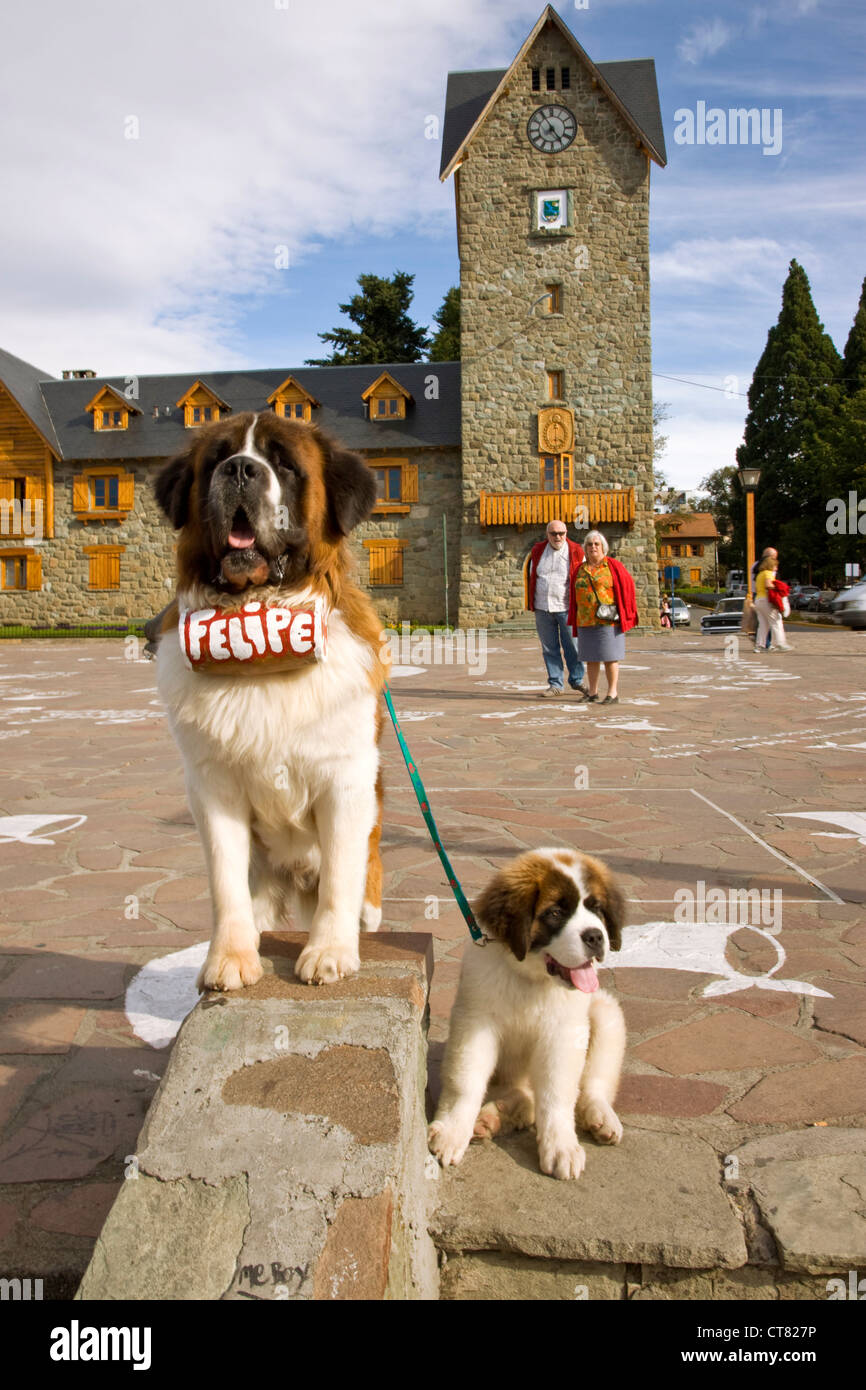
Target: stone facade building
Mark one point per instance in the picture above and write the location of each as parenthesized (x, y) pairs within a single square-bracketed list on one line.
[(689, 542), (549, 413)]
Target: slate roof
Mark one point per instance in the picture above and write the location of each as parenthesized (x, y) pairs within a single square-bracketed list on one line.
[(429, 423), (634, 82), (24, 382)]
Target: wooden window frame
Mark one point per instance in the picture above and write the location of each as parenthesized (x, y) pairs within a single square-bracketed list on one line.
[(389, 546), (564, 465), (386, 389), (555, 385), (32, 565), (92, 512), (554, 298), (408, 486)]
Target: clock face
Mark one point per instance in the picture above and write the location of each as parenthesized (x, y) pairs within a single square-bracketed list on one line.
[(551, 129)]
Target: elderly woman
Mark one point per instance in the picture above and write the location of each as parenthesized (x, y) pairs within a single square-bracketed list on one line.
[(606, 610)]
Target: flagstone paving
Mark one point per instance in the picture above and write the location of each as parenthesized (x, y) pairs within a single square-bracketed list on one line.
[(691, 780)]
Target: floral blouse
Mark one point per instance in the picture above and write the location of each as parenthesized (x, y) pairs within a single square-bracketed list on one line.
[(586, 599)]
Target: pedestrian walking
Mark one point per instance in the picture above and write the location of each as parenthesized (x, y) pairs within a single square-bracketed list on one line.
[(768, 554), (665, 613), (553, 565), (770, 622), (606, 605)]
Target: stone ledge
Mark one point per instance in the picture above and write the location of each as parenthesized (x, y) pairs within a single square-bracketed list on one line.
[(296, 1115)]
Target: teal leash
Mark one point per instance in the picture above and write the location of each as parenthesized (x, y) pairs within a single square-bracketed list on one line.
[(418, 785)]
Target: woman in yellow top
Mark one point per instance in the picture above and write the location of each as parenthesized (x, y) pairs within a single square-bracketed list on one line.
[(769, 617), (603, 586)]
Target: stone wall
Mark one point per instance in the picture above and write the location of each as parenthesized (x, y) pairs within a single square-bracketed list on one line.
[(146, 566), (421, 596), (601, 340)]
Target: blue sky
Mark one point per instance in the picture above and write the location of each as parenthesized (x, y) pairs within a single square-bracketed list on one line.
[(157, 157)]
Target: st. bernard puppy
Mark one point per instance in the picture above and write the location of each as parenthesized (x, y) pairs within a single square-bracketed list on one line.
[(529, 1009), (281, 759)]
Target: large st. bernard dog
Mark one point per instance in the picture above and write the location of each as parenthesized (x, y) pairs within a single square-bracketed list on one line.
[(529, 1009), (281, 757)]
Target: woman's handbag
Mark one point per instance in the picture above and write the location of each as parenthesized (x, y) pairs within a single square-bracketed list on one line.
[(605, 612)]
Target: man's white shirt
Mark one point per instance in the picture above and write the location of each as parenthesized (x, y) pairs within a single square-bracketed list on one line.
[(551, 580)]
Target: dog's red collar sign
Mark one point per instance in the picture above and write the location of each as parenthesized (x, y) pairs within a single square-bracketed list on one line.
[(214, 638)]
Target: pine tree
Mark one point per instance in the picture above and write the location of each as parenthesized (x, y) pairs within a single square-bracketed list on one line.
[(854, 359), (445, 346), (794, 392), (385, 333)]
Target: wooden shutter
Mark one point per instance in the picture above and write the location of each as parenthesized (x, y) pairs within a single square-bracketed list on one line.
[(126, 492), (410, 482), (104, 563), (386, 561), (34, 570), (80, 493)]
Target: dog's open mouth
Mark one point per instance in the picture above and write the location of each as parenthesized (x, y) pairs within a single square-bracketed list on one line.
[(241, 536), (582, 977)]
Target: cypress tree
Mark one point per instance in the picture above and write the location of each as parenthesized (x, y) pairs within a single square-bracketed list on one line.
[(854, 358), (385, 331), (446, 344), (794, 391)]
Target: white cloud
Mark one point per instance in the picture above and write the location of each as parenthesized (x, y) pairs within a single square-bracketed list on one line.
[(704, 40), (749, 263), (258, 127)]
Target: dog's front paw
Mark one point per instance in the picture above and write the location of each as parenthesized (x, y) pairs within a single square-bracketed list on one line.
[(489, 1121), (230, 970), (448, 1141), (601, 1120), (323, 965), (561, 1158)]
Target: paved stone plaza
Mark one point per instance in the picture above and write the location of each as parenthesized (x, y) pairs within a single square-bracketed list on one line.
[(727, 771)]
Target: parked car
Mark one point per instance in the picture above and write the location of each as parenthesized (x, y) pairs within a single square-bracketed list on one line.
[(727, 616), (681, 613), (849, 606), (820, 601), (735, 583), (804, 593)]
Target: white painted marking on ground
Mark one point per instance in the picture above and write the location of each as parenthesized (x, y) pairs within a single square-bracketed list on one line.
[(22, 829), (398, 671), (852, 821), (834, 897), (161, 995)]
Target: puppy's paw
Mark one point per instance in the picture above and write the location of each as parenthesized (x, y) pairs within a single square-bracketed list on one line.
[(563, 1158), (489, 1121), (323, 965), (227, 970), (601, 1120), (448, 1141)]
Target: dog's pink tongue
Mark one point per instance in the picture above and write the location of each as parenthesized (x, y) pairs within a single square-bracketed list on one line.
[(242, 538), (584, 977)]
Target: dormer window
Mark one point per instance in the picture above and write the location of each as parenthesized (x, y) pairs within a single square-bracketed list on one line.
[(110, 410), (202, 406), (386, 399), (292, 402)]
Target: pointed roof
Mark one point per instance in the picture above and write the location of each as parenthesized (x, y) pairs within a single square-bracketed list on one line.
[(22, 381), (385, 377), (630, 86), (201, 385), (112, 392)]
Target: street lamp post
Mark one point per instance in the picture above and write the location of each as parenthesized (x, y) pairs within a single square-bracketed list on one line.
[(750, 477)]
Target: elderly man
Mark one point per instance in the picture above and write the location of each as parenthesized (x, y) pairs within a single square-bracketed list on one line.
[(553, 564)]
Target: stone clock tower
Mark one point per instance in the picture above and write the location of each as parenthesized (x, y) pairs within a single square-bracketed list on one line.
[(551, 165)]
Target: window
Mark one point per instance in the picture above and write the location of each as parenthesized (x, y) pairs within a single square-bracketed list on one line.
[(104, 566), (291, 401), (694, 576), (386, 399), (554, 299), (551, 79), (110, 410), (20, 569), (556, 473), (396, 484), (103, 494), (386, 561), (554, 386), (536, 79), (566, 79), (112, 420), (201, 406), (388, 405)]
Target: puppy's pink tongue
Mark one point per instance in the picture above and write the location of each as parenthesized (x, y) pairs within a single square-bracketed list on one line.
[(584, 977)]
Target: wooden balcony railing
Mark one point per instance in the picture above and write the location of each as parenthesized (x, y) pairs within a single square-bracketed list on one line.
[(584, 507)]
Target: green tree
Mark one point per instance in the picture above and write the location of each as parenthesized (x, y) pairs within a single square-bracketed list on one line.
[(723, 498), (793, 393), (854, 358), (445, 346), (385, 332)]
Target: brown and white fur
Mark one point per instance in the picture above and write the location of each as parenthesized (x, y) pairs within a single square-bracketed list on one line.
[(282, 766), (553, 1046)]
